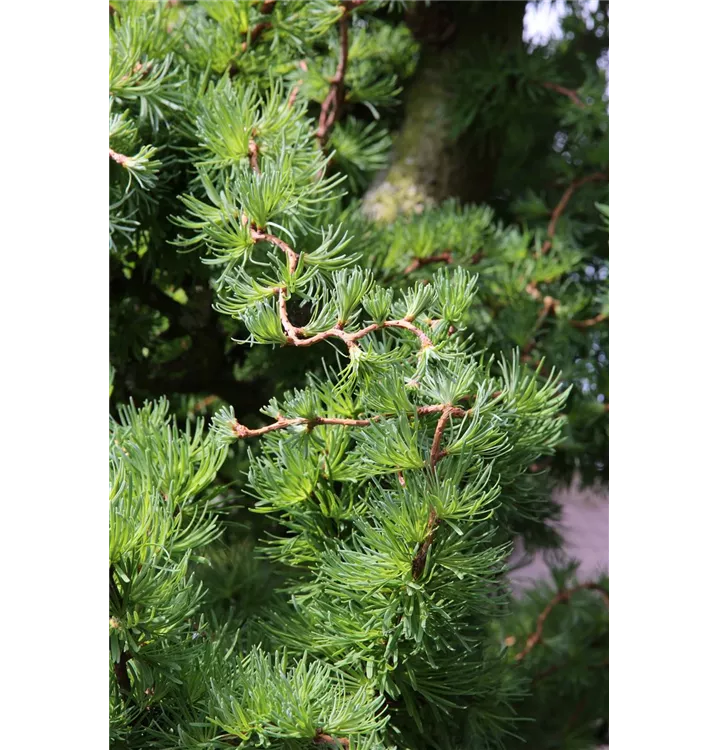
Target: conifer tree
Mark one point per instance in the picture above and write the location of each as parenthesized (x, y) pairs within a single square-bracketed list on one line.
[(324, 562)]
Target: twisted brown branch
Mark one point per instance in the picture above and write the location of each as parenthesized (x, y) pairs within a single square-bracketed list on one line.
[(295, 335), (259, 236), (281, 423)]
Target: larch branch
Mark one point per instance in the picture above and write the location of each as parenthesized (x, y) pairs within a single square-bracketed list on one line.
[(295, 335), (281, 423)]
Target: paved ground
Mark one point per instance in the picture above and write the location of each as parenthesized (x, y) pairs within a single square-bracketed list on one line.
[(585, 525)]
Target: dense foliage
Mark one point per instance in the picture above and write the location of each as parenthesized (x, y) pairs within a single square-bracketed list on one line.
[(388, 403)]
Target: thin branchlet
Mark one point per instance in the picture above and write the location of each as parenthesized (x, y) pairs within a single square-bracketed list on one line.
[(562, 596), (282, 423), (334, 100)]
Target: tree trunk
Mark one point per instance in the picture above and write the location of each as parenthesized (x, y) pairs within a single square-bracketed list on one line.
[(428, 163)]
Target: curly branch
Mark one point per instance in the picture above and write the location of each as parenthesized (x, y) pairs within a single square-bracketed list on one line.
[(294, 334), (243, 432), (121, 159), (255, 32), (259, 236)]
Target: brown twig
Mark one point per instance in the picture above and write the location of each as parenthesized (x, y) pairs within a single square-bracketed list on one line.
[(267, 6), (253, 151), (436, 452), (326, 739), (533, 290), (570, 93), (121, 159), (259, 236), (256, 31), (590, 322), (539, 466), (201, 404), (549, 305), (562, 596), (295, 335), (243, 432), (419, 562), (334, 99), (444, 257), (140, 67), (561, 205), (295, 91)]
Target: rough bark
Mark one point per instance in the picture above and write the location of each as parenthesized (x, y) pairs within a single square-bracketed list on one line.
[(428, 164)]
